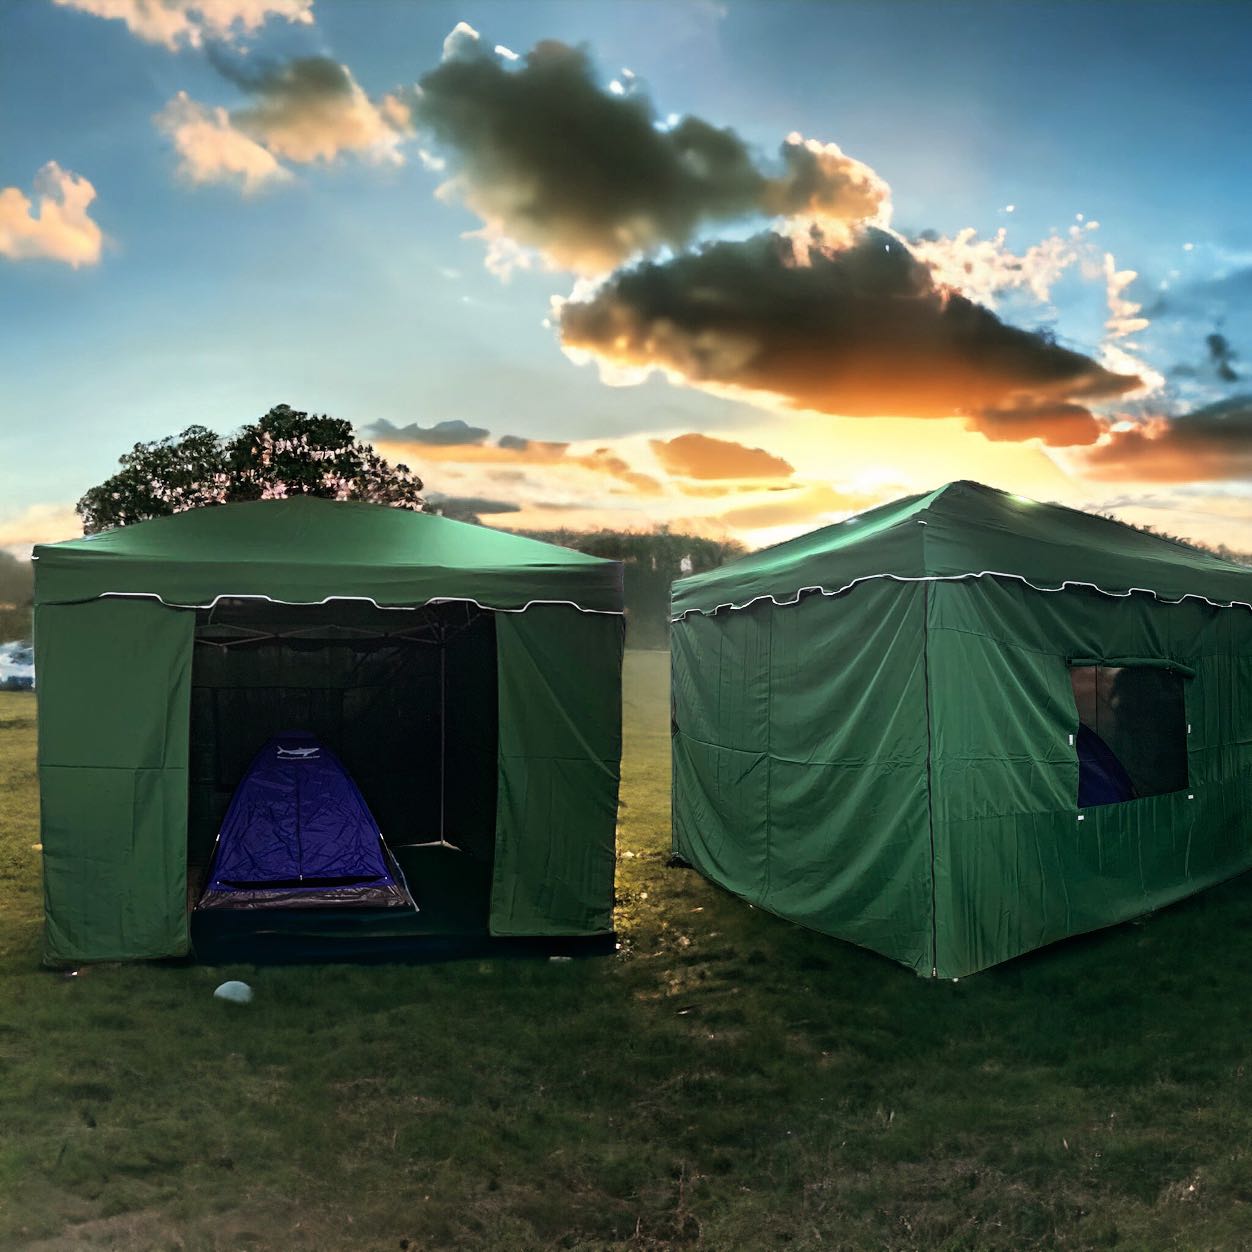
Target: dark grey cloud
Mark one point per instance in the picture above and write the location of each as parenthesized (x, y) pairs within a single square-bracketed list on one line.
[(515, 443), (1062, 424), (1205, 297), (1222, 357), (1234, 287), (1208, 445), (452, 433), (311, 108), (469, 508), (856, 331), (550, 158), (1218, 364)]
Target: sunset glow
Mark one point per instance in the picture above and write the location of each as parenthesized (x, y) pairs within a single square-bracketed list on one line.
[(637, 265)]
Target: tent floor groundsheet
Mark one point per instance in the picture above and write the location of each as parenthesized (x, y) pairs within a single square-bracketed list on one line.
[(453, 893)]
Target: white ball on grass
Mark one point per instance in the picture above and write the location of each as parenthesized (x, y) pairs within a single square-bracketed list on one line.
[(235, 992)]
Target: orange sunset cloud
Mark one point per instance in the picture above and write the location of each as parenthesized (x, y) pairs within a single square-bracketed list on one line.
[(1210, 444), (703, 456)]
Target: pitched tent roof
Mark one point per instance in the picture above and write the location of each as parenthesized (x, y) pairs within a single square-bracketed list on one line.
[(305, 550), (965, 530)]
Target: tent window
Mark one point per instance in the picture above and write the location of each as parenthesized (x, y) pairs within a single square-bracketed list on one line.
[(1132, 732)]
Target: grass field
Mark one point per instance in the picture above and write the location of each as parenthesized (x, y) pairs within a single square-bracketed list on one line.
[(726, 1081)]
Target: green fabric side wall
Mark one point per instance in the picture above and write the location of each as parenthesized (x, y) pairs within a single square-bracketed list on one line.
[(560, 747), (1015, 867), (114, 690), (800, 763)]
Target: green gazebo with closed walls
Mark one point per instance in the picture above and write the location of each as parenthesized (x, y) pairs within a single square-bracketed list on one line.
[(964, 725), (468, 679)]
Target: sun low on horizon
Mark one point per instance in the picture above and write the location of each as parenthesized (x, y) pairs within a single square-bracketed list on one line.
[(737, 269)]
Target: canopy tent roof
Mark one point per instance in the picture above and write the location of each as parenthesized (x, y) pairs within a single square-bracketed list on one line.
[(305, 550), (967, 530)]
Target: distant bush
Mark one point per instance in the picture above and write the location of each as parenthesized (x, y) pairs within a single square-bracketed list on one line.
[(16, 582), (1220, 550), (651, 561)]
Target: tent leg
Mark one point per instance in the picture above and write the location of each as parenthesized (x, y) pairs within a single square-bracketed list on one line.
[(442, 841), (443, 729)]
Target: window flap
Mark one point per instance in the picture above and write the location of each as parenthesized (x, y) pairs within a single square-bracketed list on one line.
[(1137, 662)]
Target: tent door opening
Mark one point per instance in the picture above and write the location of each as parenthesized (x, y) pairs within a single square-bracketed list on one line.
[(406, 700)]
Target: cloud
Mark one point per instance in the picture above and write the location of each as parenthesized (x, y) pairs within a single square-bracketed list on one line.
[(469, 507), (703, 456), (1231, 287), (602, 462), (1065, 424), (810, 504), (312, 109), (453, 433), (59, 228), (606, 461), (515, 443), (553, 483), (1226, 291), (212, 150), (821, 183), (508, 449), (853, 331), (461, 41), (307, 110), (190, 22), (1218, 365), (720, 488), (1222, 357), (39, 523), (1210, 444), (1125, 315), (984, 269), (1214, 514), (1125, 319), (551, 160)]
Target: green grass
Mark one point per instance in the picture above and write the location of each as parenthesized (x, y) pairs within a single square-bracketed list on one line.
[(726, 1082)]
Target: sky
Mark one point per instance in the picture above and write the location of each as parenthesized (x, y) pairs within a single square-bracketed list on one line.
[(736, 268)]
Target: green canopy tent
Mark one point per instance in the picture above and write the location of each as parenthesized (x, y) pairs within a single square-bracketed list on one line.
[(883, 729), (468, 679)]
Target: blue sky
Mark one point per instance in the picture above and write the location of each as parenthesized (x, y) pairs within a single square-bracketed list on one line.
[(348, 286)]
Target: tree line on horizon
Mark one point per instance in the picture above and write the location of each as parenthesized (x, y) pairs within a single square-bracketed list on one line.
[(288, 452), (651, 560)]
